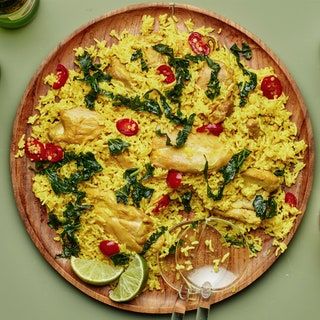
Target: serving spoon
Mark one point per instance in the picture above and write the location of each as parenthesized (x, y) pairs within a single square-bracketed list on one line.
[(211, 256)]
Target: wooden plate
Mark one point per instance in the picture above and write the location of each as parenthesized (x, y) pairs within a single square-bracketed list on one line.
[(34, 215)]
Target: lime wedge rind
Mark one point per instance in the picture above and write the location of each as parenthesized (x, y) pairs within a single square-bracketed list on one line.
[(131, 281), (94, 271)]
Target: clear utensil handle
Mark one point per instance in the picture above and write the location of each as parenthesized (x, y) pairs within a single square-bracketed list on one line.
[(179, 307), (203, 303)]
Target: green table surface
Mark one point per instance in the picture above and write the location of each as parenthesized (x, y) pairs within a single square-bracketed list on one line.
[(31, 290)]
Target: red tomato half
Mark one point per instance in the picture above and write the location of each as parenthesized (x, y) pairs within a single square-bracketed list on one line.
[(174, 179), (62, 76), (127, 127), (197, 44), (213, 128), (290, 199), (53, 152), (109, 248), (271, 87), (167, 72), (35, 150), (162, 204)]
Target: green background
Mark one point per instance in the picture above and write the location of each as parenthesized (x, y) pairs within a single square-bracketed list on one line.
[(31, 290)]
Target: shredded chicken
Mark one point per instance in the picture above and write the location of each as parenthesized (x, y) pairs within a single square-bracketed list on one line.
[(219, 110), (125, 223), (77, 125), (240, 214), (119, 72), (266, 179), (253, 128), (224, 76), (191, 157), (153, 58)]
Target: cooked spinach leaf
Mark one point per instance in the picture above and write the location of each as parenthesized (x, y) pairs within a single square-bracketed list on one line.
[(149, 172), (152, 239), (183, 134), (163, 134), (244, 87), (145, 104), (279, 172), (228, 173), (182, 73), (69, 224), (163, 49), (186, 200), (117, 146), (93, 75), (265, 209), (213, 89), (214, 85), (137, 55), (134, 188), (236, 240), (87, 166), (120, 258), (246, 51), (173, 248)]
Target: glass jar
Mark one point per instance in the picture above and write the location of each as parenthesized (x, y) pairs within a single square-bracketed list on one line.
[(17, 13)]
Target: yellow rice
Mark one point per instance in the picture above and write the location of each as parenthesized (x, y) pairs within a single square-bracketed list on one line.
[(276, 148)]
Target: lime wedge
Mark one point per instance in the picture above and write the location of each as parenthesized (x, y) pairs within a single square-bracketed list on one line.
[(131, 281), (94, 271)]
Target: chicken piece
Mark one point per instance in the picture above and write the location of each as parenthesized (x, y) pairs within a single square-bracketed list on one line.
[(224, 76), (242, 204), (153, 58), (222, 110), (127, 224), (253, 128), (77, 125), (119, 72), (219, 110), (266, 179), (191, 157), (240, 214)]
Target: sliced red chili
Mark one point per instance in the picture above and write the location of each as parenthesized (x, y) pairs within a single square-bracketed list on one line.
[(290, 199), (213, 128), (271, 87), (174, 179), (62, 76), (127, 127), (167, 72), (109, 247), (54, 153), (197, 44), (35, 149), (162, 204)]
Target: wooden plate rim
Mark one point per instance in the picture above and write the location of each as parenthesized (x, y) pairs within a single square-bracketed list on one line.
[(35, 238)]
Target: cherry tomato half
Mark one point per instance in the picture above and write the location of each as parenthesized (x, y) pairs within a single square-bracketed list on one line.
[(167, 72), (162, 204), (109, 248), (213, 128), (54, 153), (174, 179), (35, 149), (290, 199), (127, 127), (62, 76), (271, 87), (197, 44)]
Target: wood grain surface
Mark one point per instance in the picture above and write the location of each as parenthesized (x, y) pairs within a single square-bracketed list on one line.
[(34, 215)]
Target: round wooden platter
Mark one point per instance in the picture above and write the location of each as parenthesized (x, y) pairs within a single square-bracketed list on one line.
[(34, 215)]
